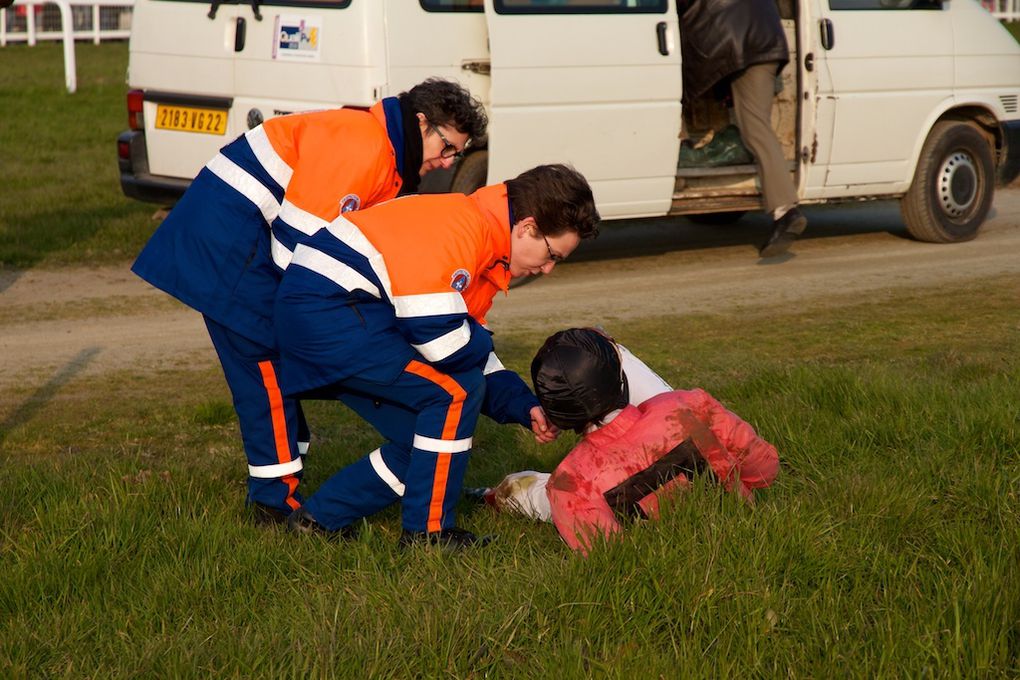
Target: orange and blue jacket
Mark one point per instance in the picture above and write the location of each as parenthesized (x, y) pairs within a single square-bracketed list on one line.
[(222, 249), (426, 267)]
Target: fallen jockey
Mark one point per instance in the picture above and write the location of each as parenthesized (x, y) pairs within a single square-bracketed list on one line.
[(649, 441)]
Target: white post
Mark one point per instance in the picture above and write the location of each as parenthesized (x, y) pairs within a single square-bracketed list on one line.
[(67, 25), (30, 22), (95, 23), (3, 27)]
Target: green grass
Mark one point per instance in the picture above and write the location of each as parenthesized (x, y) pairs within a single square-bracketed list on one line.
[(60, 199), (1013, 27), (889, 546)]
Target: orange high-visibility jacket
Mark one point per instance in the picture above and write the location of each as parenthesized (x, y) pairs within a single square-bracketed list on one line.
[(223, 246), (411, 278)]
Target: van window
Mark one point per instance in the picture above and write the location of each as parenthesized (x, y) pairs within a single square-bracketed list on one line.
[(884, 4), (452, 5), (579, 6)]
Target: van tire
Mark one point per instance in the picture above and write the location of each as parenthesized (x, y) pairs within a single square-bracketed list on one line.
[(718, 219), (953, 185), (472, 173)]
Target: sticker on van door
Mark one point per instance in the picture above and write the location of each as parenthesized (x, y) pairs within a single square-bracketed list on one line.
[(297, 38)]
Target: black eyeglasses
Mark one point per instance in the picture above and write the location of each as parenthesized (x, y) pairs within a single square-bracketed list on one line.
[(450, 150), (553, 257)]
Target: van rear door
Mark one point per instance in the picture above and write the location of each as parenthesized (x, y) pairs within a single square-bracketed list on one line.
[(309, 54), (593, 83), (184, 61)]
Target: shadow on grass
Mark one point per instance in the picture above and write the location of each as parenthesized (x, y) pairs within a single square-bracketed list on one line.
[(23, 413)]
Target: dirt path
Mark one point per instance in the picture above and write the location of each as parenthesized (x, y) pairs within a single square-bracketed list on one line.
[(95, 320)]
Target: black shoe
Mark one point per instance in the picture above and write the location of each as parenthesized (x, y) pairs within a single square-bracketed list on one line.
[(477, 494), (302, 522), (452, 539), (785, 231), (267, 515)]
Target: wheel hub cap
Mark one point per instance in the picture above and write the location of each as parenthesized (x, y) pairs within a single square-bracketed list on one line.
[(957, 184)]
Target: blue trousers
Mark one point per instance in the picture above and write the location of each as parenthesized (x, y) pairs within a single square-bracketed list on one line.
[(273, 427), (428, 419)]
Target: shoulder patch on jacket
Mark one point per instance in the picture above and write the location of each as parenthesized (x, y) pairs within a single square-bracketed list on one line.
[(350, 203), (460, 280)]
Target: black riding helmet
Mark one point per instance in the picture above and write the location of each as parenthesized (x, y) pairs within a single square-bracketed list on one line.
[(578, 378)]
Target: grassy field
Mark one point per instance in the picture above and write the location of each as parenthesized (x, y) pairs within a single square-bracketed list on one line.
[(889, 546), (60, 199)]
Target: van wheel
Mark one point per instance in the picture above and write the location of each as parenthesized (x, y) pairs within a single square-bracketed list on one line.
[(953, 185), (471, 174), (717, 219)]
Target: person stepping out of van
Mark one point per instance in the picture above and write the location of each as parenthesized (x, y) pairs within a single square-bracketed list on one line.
[(742, 43)]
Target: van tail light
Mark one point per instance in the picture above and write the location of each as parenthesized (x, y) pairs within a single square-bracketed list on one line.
[(134, 107), (123, 150)]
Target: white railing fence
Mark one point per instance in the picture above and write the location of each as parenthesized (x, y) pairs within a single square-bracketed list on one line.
[(32, 20), (1007, 10)]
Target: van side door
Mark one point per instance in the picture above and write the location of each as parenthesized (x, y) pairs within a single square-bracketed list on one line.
[(885, 66), (593, 83)]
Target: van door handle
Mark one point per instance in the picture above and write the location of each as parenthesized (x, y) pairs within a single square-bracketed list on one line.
[(828, 36), (239, 31), (660, 32)]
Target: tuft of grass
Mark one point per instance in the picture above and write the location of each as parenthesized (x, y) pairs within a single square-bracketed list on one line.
[(889, 545), (60, 201)]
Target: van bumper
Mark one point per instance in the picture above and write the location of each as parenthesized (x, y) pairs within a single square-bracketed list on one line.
[(1009, 168), (135, 180)]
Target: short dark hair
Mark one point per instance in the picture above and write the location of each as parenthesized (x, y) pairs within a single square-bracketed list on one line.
[(445, 102), (557, 197)]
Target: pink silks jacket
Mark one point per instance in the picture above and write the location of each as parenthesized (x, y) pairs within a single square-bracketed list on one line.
[(647, 452)]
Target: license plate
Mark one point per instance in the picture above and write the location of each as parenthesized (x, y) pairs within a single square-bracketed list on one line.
[(191, 119)]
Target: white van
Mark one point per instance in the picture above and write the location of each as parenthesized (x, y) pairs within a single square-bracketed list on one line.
[(918, 99)]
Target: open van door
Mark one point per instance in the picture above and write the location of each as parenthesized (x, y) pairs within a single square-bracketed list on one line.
[(884, 67), (593, 83)]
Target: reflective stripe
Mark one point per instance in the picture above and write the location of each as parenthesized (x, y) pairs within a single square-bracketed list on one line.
[(493, 364), (246, 185), (281, 253), (336, 271), (385, 474), (348, 233), (302, 448), (428, 304), (275, 471), (442, 445), (299, 219), (445, 345), (267, 156)]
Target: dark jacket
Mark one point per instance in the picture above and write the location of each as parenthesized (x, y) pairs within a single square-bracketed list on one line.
[(722, 37)]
